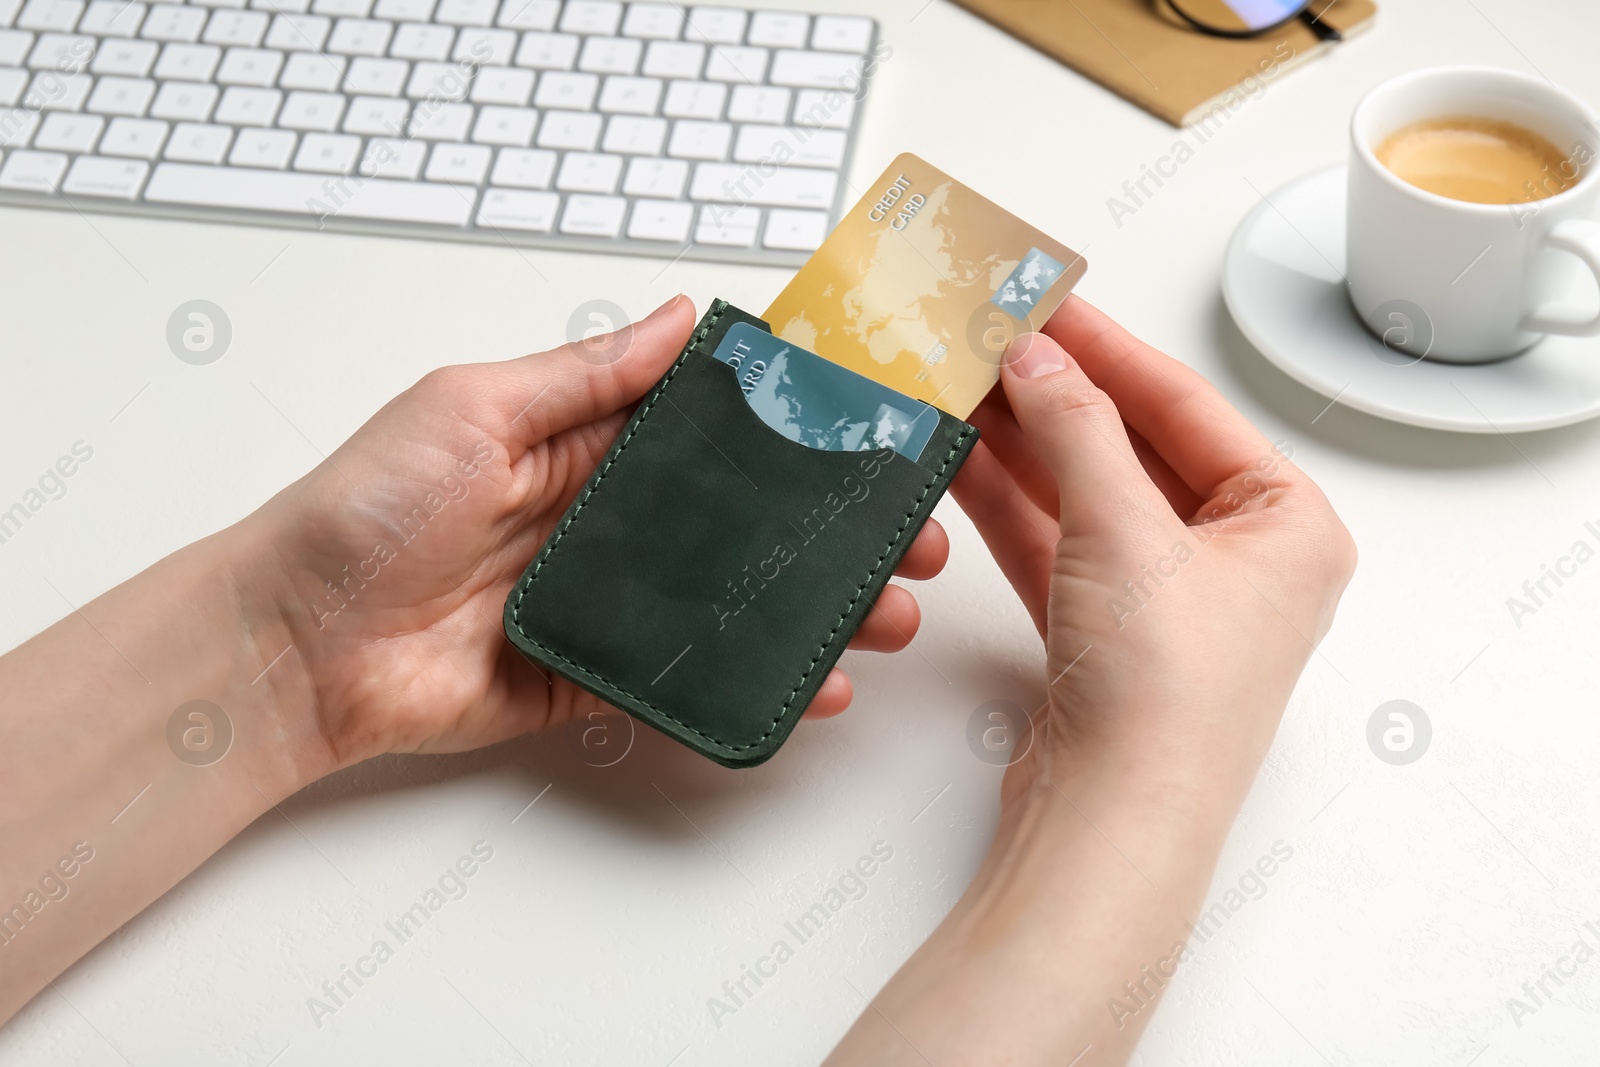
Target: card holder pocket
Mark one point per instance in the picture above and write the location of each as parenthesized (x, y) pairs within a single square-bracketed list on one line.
[(712, 571)]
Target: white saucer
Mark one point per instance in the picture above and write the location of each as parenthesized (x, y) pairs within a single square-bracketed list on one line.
[(1283, 283)]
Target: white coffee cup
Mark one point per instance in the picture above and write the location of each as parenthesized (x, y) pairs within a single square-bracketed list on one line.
[(1463, 282)]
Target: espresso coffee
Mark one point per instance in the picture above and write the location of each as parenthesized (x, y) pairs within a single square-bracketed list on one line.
[(1483, 161)]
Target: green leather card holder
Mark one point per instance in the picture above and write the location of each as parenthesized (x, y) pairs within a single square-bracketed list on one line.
[(711, 572)]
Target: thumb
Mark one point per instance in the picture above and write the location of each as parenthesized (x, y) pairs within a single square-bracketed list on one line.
[(1078, 434), (589, 378)]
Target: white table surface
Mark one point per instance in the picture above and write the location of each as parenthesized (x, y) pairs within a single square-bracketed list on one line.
[(1417, 900)]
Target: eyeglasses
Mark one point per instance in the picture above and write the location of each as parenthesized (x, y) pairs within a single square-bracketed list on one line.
[(1248, 18)]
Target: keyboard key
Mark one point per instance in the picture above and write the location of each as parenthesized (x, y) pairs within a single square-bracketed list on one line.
[(377, 115), (579, 130), (115, 179), (188, 62), (548, 51), (376, 77), (312, 111), (299, 32), (815, 108), (236, 27), (661, 220), (360, 37), (841, 33), (779, 29), (33, 172), (785, 144), (694, 100), (262, 148), (610, 55), (437, 81), (635, 136), (560, 89), (284, 7), (785, 187), (591, 16), (729, 225), (649, 20), (57, 15), (484, 48), (121, 96), (465, 12), (192, 142), (630, 96), (524, 168), (17, 125), (511, 126), (759, 103), (589, 172), (8, 11), (132, 59), (61, 53), (715, 25), (441, 122), (134, 138), (53, 92), (250, 66), (529, 14), (502, 85), (593, 216), (12, 85), (514, 209), (219, 3), (387, 157), (660, 178), (112, 18), (816, 70), (404, 10), (674, 59), (14, 47), (328, 153), (62, 132), (343, 9), (314, 71), (248, 107), (699, 140), (458, 164), (184, 100), (303, 194), (416, 40), (169, 22), (735, 64), (801, 231)]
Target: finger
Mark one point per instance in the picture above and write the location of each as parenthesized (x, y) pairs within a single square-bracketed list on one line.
[(926, 557), (832, 698), (1079, 436), (997, 424), (1019, 534), (891, 624), (1185, 501), (541, 395), (1188, 423)]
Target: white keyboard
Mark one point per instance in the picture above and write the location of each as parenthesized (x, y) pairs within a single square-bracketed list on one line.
[(706, 132)]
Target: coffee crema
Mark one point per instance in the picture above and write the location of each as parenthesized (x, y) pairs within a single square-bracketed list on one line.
[(1482, 161)]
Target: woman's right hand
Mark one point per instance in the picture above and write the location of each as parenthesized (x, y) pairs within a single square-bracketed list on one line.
[(1179, 567)]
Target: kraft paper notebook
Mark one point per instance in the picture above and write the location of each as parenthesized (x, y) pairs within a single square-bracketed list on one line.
[(1147, 54)]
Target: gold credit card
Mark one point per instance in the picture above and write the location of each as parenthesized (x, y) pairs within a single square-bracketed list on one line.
[(923, 284)]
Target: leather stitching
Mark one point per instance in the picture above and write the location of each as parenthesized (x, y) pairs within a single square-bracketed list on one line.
[(516, 612)]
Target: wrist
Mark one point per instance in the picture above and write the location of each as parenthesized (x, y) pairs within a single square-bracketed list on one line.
[(271, 678)]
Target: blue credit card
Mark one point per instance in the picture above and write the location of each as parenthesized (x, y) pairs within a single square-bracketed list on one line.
[(820, 404)]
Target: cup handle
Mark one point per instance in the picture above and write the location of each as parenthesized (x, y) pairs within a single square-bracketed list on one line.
[(1581, 237)]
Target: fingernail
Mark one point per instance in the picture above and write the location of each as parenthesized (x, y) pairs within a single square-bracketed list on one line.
[(668, 306), (1031, 355)]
